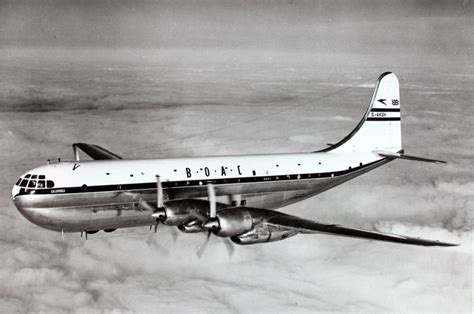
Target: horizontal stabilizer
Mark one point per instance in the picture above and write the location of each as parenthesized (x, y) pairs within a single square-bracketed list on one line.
[(407, 157), (95, 151)]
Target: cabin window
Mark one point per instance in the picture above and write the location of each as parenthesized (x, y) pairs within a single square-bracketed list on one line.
[(360, 164), (131, 175), (243, 202), (49, 184), (234, 203), (277, 165), (254, 173), (107, 173), (299, 164)]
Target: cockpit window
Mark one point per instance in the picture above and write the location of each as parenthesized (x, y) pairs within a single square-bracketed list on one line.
[(33, 183)]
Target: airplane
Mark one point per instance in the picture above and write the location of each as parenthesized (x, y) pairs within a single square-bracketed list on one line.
[(232, 197)]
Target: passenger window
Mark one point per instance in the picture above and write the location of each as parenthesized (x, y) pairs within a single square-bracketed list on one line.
[(41, 184), (24, 183), (32, 184), (49, 184)]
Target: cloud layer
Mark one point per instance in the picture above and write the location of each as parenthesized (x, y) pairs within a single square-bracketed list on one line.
[(131, 100)]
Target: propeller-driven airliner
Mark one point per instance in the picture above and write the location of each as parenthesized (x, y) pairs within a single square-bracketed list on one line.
[(233, 197)]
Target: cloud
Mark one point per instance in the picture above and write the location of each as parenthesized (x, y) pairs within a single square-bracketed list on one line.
[(135, 270)]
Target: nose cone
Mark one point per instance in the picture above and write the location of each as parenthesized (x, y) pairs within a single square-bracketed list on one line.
[(22, 204), (27, 206)]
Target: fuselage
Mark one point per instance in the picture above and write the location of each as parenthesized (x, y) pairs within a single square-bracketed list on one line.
[(105, 194)]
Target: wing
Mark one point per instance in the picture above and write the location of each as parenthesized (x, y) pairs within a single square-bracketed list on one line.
[(95, 151), (283, 221)]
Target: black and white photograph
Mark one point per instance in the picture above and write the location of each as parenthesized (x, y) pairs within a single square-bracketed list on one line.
[(297, 156)]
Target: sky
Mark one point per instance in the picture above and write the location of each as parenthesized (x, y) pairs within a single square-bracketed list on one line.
[(141, 77)]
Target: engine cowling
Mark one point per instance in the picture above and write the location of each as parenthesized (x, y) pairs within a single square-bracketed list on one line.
[(181, 212), (262, 235), (233, 222)]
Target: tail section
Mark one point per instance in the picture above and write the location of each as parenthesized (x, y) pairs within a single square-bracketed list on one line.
[(379, 129)]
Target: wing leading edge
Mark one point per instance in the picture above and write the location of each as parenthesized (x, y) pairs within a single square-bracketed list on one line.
[(284, 221)]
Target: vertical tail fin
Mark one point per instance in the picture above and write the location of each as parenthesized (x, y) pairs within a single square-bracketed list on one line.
[(380, 127)]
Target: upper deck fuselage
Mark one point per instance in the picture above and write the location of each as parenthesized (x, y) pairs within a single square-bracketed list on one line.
[(89, 195)]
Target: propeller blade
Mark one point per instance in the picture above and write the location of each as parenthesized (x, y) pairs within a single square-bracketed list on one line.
[(156, 225), (153, 242), (212, 200), (174, 234), (159, 192), (229, 246), (203, 247)]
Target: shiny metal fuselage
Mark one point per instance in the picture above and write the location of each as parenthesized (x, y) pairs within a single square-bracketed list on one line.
[(101, 210)]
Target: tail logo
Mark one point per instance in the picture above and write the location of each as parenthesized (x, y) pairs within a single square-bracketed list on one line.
[(382, 101)]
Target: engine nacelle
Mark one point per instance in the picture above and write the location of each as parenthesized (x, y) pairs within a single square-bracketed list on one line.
[(181, 212), (233, 222), (262, 235)]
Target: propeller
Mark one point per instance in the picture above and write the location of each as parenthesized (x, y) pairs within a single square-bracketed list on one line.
[(212, 224), (159, 212), (203, 247)]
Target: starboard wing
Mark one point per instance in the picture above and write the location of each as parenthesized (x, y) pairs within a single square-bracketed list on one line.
[(288, 222)]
